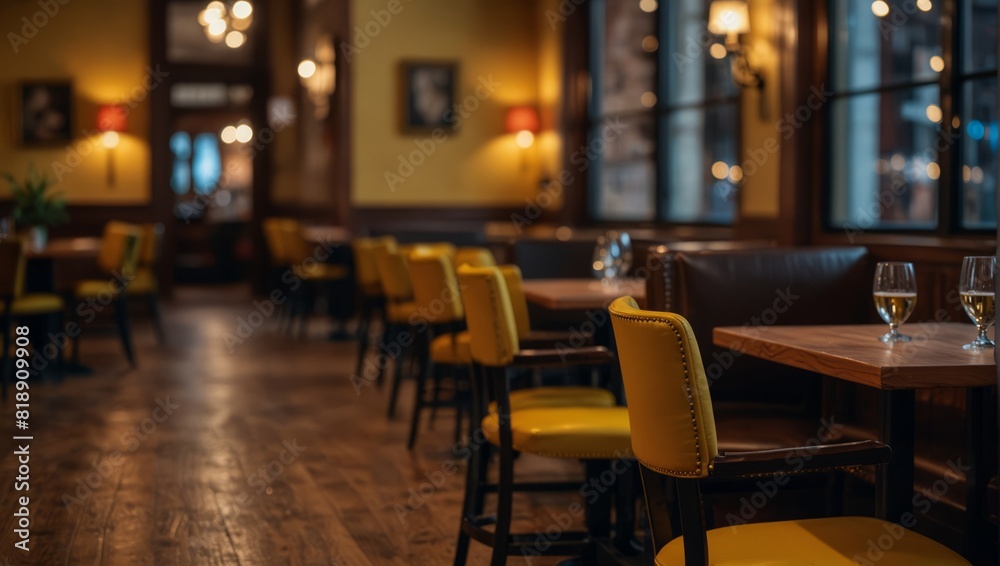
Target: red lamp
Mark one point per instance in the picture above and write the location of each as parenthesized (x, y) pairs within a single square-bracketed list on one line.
[(523, 120), (111, 119)]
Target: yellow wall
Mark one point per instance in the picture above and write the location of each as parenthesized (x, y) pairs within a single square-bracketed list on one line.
[(102, 48), (760, 137), (477, 165)]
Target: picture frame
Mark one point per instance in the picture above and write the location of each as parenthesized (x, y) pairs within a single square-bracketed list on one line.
[(428, 93), (45, 113)]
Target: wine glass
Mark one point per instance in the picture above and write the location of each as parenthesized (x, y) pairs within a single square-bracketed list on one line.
[(624, 260), (895, 294), (978, 292), (603, 263)]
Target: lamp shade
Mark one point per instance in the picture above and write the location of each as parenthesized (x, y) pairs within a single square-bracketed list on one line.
[(729, 17), (522, 118), (112, 118)]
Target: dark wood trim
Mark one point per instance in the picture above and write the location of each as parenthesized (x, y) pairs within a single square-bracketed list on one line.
[(343, 119), (429, 219), (795, 40), (575, 88)]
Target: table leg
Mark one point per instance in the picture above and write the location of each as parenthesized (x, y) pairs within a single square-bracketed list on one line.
[(895, 479), (976, 526)]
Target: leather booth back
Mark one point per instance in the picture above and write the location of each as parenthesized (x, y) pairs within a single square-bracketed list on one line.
[(761, 288)]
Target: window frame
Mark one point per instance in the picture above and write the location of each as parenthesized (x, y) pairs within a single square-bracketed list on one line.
[(950, 84), (658, 113)]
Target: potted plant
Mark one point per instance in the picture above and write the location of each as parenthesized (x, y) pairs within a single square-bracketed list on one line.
[(35, 206)]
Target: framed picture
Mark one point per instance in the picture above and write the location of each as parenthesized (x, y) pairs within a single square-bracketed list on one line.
[(428, 90), (46, 112)]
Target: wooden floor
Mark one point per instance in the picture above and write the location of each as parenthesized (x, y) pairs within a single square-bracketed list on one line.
[(215, 482)]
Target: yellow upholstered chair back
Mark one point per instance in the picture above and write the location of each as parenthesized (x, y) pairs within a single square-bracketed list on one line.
[(393, 273), (12, 261), (293, 242), (669, 406), (275, 239), (445, 248), (488, 315), (151, 236), (435, 287), (365, 266), (518, 302), (120, 248), (476, 257)]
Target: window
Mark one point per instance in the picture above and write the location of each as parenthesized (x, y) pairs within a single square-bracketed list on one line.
[(663, 116), (913, 129)]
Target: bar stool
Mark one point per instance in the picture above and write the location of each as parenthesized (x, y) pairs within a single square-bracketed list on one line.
[(474, 256), (597, 435), (316, 276), (372, 301), (18, 305), (399, 335), (118, 258), (674, 440), (443, 348), (145, 286)]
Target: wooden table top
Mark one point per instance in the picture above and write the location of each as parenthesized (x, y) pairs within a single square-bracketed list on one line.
[(334, 234), (580, 294), (934, 358), (68, 248)]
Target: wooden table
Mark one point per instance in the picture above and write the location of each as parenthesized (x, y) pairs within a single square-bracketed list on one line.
[(68, 248), (934, 358), (580, 294)]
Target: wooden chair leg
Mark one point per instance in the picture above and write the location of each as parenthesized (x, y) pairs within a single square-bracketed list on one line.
[(397, 370), (154, 312), (419, 393), (472, 504), (505, 502), (364, 326), (124, 329)]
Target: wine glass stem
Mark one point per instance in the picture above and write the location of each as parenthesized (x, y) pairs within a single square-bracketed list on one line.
[(982, 334), (894, 330)]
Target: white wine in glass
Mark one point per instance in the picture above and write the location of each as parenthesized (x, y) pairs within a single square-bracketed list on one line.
[(979, 296), (895, 295)]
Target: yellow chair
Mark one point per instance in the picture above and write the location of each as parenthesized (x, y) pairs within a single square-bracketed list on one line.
[(118, 259), (443, 345), (597, 435), (398, 333), (372, 301), (674, 439), (474, 256), (145, 286), (316, 275)]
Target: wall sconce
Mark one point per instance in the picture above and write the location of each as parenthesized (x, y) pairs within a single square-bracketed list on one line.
[(523, 121), (111, 119), (319, 76), (731, 18)]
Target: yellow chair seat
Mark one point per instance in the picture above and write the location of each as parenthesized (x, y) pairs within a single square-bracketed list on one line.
[(321, 272), (37, 303), (400, 313), (97, 288), (570, 396), (838, 541), (143, 284), (451, 349), (584, 433)]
